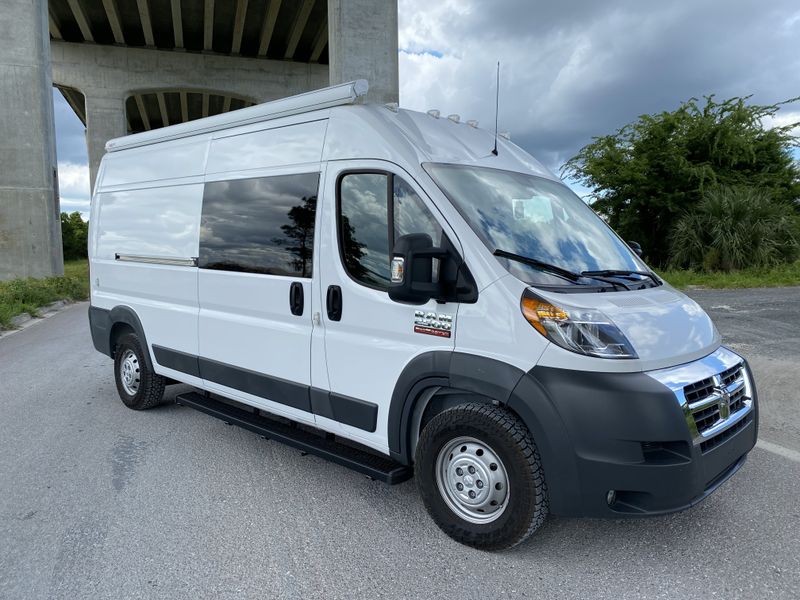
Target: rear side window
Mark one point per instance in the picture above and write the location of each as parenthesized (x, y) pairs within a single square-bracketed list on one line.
[(374, 210), (261, 225)]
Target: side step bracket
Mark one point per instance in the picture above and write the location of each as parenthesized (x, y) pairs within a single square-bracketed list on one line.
[(371, 465)]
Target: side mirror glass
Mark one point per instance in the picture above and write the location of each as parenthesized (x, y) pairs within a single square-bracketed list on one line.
[(636, 247), (412, 269)]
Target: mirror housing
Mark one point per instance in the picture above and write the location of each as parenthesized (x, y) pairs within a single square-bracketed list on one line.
[(412, 272), (636, 247)]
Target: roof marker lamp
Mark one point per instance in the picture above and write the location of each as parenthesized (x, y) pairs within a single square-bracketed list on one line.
[(583, 330)]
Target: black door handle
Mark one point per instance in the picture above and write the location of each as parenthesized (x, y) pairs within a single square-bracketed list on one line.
[(333, 302), (296, 301)]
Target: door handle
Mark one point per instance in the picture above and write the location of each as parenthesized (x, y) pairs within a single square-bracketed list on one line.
[(333, 302), (296, 301)]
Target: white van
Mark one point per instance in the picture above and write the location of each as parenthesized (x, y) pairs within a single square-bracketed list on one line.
[(404, 293)]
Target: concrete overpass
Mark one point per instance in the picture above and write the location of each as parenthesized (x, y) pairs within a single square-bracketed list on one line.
[(126, 66)]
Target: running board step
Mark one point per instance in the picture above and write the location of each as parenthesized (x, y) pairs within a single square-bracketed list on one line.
[(377, 467)]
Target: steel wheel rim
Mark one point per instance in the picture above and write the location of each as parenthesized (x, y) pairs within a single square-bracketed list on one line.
[(476, 468), (129, 373)]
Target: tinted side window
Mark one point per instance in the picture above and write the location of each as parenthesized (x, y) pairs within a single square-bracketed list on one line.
[(370, 221), (364, 227), (261, 225)]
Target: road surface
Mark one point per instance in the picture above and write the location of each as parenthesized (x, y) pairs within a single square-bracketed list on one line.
[(98, 501)]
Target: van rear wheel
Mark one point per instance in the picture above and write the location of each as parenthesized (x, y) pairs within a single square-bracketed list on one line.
[(480, 476), (138, 386)]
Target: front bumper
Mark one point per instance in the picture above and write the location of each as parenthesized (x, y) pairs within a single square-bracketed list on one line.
[(634, 434)]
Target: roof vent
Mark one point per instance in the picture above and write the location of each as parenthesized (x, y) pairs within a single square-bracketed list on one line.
[(392, 106), (472, 123), (454, 118), (434, 113), (505, 135)]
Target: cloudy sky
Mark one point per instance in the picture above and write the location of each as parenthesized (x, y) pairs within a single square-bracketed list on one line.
[(570, 70)]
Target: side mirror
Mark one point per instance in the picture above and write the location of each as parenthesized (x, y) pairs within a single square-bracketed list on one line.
[(636, 247), (412, 269), (412, 272)]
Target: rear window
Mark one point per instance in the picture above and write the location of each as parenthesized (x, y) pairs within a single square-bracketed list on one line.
[(260, 225)]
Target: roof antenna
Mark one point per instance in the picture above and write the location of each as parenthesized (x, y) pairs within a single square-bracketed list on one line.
[(496, 108)]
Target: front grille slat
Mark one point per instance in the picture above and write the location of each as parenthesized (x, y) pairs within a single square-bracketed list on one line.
[(707, 397)]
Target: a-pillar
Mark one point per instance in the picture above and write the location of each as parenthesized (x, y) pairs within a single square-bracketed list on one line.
[(105, 120), (30, 226), (362, 44)]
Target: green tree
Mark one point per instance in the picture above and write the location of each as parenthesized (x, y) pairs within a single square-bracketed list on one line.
[(648, 174), (74, 236)]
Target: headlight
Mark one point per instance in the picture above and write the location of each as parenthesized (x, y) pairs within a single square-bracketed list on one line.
[(583, 330)]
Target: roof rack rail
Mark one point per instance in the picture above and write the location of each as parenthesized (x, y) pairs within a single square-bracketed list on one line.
[(336, 95)]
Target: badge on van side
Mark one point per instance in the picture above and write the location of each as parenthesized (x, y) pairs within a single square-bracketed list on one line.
[(431, 323)]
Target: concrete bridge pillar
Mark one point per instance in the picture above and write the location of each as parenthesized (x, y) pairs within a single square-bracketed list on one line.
[(30, 226), (105, 120), (362, 44)]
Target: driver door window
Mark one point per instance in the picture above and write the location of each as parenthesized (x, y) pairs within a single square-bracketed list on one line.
[(374, 209)]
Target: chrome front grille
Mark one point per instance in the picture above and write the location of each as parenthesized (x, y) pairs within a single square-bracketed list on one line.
[(715, 395), (712, 401)]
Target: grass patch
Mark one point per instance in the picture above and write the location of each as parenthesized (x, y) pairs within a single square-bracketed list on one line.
[(28, 295), (779, 276)]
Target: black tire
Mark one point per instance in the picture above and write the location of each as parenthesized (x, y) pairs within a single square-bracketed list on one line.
[(524, 509), (149, 387)]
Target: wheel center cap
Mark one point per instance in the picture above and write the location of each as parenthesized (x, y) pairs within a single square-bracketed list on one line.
[(469, 481)]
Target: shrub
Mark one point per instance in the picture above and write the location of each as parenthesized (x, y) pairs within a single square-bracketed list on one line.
[(735, 228)]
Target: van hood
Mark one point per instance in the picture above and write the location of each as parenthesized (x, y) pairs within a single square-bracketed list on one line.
[(664, 326)]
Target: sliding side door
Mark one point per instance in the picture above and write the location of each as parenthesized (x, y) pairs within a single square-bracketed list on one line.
[(255, 290)]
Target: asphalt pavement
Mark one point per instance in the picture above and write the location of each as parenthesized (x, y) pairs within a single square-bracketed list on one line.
[(98, 501)]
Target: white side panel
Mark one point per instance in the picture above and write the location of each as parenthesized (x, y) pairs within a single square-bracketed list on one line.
[(289, 145), (245, 322), (163, 222), (169, 160), (163, 297)]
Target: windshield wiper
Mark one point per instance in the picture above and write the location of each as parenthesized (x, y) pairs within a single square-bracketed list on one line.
[(547, 267), (539, 265), (622, 273)]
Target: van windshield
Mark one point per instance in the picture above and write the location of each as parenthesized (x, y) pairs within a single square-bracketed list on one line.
[(535, 218)]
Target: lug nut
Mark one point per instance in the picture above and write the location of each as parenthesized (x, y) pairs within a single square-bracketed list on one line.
[(471, 494), (459, 486), (479, 483), (459, 471), (471, 469)]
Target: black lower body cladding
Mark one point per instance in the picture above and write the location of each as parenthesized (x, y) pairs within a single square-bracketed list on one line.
[(625, 432)]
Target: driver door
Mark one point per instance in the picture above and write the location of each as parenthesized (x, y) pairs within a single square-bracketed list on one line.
[(369, 338)]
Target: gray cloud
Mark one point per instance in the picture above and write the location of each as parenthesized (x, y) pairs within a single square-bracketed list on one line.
[(573, 70)]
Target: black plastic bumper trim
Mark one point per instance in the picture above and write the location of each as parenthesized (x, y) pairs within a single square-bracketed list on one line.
[(344, 409), (178, 361), (264, 386)]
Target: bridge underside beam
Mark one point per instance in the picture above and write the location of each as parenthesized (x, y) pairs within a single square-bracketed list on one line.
[(108, 75)]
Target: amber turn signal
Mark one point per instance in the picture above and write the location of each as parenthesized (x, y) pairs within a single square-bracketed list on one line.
[(535, 311)]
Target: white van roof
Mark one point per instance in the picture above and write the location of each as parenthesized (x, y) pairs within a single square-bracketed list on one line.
[(346, 130)]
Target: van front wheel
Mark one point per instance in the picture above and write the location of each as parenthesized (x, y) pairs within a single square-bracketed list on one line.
[(480, 476), (139, 387)]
